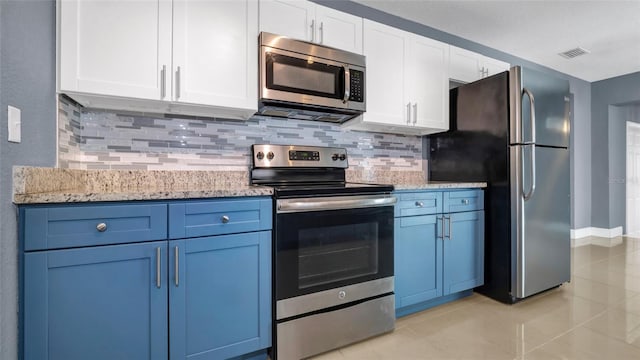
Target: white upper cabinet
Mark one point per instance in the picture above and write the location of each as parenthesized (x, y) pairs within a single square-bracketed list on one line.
[(407, 82), (292, 18), (100, 53), (467, 66), (185, 56), (428, 84), (385, 49), (338, 29), (307, 21), (215, 53)]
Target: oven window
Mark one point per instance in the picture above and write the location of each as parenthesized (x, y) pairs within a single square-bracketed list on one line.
[(291, 74), (294, 77), (321, 250), (331, 254)]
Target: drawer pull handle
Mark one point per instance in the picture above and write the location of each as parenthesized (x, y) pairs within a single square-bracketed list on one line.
[(102, 227), (465, 201), (419, 204), (225, 219)]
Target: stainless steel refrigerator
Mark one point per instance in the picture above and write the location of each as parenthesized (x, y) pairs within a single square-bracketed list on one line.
[(512, 131)]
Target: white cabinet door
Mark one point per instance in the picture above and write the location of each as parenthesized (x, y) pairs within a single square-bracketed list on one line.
[(116, 48), (427, 83), (464, 65), (338, 29), (215, 53), (307, 21), (494, 66), (292, 18), (385, 48), (467, 66)]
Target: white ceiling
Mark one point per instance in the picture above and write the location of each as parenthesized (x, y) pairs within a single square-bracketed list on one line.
[(539, 30)]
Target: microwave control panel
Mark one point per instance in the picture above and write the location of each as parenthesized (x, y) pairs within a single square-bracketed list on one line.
[(357, 85)]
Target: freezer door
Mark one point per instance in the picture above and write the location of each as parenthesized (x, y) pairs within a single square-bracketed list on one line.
[(540, 218), (540, 106)]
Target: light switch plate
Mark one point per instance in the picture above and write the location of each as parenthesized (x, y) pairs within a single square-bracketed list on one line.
[(14, 123)]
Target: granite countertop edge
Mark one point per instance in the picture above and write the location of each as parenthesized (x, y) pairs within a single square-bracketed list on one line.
[(82, 197), (32, 185), (440, 185)]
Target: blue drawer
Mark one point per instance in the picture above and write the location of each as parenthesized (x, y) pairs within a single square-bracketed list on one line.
[(418, 203), (67, 226), (465, 200), (216, 217)]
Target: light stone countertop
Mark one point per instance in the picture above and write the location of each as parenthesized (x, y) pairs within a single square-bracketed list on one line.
[(33, 185), (428, 185)]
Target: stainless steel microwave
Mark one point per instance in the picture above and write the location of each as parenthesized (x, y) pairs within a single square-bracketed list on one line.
[(307, 81)]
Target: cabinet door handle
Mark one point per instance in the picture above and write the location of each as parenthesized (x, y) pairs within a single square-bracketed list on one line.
[(313, 30), (163, 82), (178, 83), (450, 234), (419, 204), (415, 113), (158, 265), (225, 219), (408, 113), (441, 236), (321, 32), (102, 227), (177, 265)]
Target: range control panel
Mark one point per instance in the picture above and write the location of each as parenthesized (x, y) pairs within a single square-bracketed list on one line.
[(298, 156)]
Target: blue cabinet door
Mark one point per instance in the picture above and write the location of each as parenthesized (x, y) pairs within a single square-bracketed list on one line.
[(220, 295), (463, 251), (418, 259), (106, 302)]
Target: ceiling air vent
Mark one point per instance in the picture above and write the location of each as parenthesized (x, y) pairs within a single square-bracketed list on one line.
[(570, 54)]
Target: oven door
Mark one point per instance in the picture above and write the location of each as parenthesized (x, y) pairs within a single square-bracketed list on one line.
[(332, 242), (304, 79)]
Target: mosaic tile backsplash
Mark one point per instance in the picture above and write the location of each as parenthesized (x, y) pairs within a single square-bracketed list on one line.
[(90, 139)]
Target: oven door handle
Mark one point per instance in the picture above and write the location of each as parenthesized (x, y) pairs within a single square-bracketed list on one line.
[(333, 203)]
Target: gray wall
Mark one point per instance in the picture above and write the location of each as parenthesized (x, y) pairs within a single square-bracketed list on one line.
[(581, 126), (617, 125), (615, 91), (27, 77)]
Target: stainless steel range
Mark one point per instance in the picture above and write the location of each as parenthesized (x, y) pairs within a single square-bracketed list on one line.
[(333, 250)]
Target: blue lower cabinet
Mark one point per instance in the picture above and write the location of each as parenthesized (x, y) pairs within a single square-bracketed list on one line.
[(220, 295), (418, 259), (439, 257), (106, 302), (463, 251)]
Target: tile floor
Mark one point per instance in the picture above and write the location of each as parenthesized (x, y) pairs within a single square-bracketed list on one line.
[(595, 316)]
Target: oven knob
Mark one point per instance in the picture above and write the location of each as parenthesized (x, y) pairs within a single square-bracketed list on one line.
[(270, 155), (343, 157), (342, 294), (334, 157), (260, 155)]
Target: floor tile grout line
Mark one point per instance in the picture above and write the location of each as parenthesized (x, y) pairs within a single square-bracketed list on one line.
[(567, 331)]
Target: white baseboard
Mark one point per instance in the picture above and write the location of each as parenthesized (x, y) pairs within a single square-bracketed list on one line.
[(604, 237)]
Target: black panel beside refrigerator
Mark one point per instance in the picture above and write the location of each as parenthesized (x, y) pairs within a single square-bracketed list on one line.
[(480, 146)]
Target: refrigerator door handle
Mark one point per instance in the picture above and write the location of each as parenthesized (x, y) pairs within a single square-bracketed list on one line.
[(532, 110), (532, 167)]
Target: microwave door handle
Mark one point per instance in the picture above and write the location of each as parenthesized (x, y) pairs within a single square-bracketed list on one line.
[(347, 84)]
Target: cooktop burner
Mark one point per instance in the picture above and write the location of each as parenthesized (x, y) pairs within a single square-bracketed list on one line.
[(298, 171)]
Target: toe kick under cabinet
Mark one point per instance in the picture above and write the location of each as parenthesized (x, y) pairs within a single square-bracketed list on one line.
[(146, 280), (439, 247)]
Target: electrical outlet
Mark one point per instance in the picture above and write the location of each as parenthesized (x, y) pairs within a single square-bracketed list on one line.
[(14, 123)]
